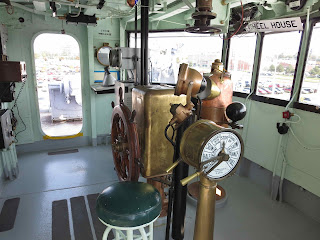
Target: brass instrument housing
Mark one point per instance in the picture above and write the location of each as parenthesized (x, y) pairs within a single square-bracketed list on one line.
[(195, 138), (152, 105), (213, 108), (185, 77)]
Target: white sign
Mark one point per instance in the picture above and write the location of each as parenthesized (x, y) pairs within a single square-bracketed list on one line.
[(275, 25)]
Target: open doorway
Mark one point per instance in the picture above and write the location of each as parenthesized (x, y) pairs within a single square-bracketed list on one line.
[(58, 76)]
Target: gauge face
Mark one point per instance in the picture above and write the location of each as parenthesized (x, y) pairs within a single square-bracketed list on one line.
[(232, 147)]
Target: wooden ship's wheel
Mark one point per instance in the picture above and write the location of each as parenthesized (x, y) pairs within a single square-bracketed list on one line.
[(126, 150), (125, 142)]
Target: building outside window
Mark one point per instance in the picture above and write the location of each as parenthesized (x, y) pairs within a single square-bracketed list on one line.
[(277, 66), (169, 49)]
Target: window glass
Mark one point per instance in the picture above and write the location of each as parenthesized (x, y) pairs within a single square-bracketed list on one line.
[(278, 62), (241, 59), (169, 49), (311, 82)]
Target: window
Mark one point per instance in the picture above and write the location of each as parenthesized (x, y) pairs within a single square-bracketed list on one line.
[(309, 93), (169, 49), (240, 61), (58, 74), (277, 66)]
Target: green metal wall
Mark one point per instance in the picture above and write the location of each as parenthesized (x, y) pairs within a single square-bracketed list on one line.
[(96, 108)]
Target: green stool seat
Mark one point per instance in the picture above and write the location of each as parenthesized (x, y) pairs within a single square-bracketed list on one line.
[(128, 204)]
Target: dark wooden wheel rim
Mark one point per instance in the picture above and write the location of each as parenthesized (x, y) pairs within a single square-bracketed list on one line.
[(125, 144)]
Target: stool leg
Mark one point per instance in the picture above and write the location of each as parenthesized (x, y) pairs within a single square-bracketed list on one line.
[(129, 234), (151, 231), (143, 234), (122, 235), (117, 235), (106, 233)]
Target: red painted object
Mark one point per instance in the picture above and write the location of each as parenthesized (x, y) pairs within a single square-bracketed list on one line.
[(286, 115)]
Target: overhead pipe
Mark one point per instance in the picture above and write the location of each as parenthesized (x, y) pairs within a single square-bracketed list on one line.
[(30, 9), (225, 2)]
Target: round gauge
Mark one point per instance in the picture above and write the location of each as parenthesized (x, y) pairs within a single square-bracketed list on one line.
[(226, 141), (212, 149)]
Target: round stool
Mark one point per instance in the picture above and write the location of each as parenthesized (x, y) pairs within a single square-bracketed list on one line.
[(129, 206)]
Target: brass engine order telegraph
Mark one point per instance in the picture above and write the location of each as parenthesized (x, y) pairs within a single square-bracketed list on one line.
[(215, 151)]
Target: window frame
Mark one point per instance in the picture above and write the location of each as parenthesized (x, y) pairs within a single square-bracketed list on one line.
[(236, 93), (270, 100), (128, 32), (297, 104)]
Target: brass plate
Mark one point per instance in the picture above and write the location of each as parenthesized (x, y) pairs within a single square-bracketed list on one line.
[(152, 105)]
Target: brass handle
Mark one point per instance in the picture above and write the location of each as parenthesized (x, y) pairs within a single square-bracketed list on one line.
[(173, 166), (188, 179)]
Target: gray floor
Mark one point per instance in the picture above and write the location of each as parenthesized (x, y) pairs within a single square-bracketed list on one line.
[(248, 215)]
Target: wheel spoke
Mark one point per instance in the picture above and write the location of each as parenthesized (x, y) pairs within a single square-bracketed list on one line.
[(123, 167), (122, 129), (116, 124), (127, 163)]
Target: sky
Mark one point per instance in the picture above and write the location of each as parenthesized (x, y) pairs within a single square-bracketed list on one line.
[(55, 43)]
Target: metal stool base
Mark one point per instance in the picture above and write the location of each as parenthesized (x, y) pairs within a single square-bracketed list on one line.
[(120, 235)]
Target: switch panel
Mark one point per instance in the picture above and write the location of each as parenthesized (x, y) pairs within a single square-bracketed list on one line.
[(6, 131)]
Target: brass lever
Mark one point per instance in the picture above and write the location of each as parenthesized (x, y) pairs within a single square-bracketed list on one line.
[(173, 166), (222, 156), (189, 178)]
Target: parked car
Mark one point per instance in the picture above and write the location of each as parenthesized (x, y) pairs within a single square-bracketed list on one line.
[(278, 91), (261, 91), (246, 90), (287, 89), (267, 90), (305, 99), (309, 90)]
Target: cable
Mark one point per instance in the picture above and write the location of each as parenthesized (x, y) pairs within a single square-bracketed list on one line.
[(16, 106), (295, 115), (11, 9), (58, 5), (78, 14), (242, 11), (304, 146), (15, 101), (166, 135), (24, 125)]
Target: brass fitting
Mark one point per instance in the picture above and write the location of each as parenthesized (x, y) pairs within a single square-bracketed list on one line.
[(217, 65), (185, 77), (180, 112)]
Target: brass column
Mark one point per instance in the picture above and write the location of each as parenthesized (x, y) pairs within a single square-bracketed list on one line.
[(204, 224)]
